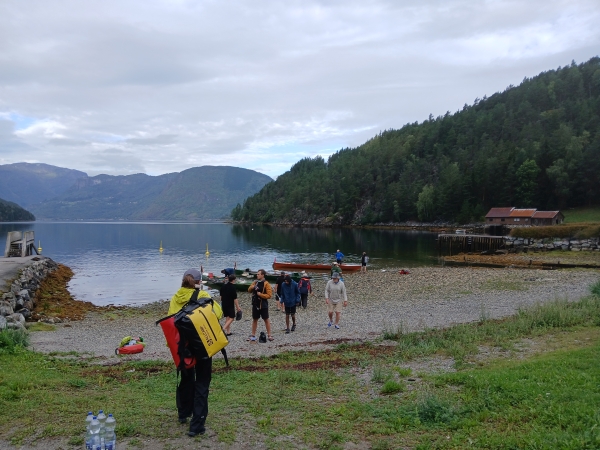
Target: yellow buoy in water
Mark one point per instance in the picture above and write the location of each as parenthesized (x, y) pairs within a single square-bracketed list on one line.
[(39, 247), (160, 249), (207, 253)]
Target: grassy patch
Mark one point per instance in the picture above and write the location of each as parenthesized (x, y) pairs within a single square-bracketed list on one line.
[(462, 340), (41, 326), (578, 215), (572, 230), (546, 401), (12, 341)]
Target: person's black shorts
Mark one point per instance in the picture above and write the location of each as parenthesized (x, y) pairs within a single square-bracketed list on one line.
[(364, 264), (229, 311), (260, 313), (290, 309)]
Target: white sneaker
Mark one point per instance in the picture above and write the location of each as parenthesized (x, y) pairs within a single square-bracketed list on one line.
[(329, 324), (337, 327)]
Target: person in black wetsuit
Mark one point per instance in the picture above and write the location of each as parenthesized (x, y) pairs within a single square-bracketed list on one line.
[(229, 303)]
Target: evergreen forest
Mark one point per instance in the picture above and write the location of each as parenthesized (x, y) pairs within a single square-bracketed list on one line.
[(11, 212), (536, 145)]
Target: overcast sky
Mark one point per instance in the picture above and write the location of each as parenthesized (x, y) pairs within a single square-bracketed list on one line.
[(123, 87)]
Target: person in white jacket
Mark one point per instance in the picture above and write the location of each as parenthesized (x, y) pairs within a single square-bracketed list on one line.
[(335, 298)]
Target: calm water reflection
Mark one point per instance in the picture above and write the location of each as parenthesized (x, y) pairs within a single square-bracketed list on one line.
[(120, 263)]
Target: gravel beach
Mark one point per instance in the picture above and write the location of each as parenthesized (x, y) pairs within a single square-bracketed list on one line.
[(378, 301)]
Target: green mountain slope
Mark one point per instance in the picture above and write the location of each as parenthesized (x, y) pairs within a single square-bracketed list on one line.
[(535, 145), (11, 212), (205, 192), (199, 193), (28, 184)]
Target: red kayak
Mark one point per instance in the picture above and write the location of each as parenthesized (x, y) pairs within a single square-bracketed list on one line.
[(313, 267)]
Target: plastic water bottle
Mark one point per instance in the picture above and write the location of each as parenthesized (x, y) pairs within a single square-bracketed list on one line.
[(110, 438), (88, 439), (88, 433), (101, 418), (95, 434)]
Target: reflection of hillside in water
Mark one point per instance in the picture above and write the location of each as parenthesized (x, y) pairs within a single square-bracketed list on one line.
[(405, 246)]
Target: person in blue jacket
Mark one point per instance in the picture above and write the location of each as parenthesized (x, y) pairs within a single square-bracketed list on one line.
[(228, 271), (290, 297), (339, 256)]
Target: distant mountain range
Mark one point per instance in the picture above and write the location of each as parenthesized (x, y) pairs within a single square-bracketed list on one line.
[(199, 193)]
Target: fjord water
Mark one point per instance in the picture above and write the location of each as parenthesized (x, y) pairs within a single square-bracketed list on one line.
[(120, 263)]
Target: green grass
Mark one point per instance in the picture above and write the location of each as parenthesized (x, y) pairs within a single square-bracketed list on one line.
[(11, 341), (579, 215), (324, 400), (41, 326), (579, 230)]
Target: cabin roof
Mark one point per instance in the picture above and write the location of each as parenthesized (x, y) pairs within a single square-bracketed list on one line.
[(522, 213), (499, 212), (545, 214)]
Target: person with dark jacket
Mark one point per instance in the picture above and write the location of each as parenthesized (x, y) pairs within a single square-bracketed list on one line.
[(278, 284), (290, 295), (305, 288), (192, 391), (228, 271)]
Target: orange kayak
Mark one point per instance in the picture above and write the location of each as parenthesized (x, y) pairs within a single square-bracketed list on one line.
[(313, 267)]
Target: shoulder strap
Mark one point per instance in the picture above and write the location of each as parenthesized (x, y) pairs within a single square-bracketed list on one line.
[(224, 353)]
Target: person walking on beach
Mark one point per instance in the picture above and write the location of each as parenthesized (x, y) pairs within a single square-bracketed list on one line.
[(192, 391), (339, 256), (290, 295), (335, 268), (364, 259), (229, 303), (261, 292), (305, 288), (278, 284), (335, 297)]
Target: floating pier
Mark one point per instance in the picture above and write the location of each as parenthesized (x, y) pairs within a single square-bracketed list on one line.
[(449, 244)]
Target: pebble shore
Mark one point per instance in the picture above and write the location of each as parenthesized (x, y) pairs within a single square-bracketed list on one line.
[(377, 301)]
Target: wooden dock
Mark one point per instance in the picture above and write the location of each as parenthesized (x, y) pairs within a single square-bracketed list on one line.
[(449, 244), (20, 244)]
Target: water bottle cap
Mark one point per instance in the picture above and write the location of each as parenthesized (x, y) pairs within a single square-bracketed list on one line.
[(110, 415), (101, 411), (90, 413), (95, 418)]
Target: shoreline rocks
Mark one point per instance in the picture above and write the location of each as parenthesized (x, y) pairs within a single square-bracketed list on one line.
[(18, 303)]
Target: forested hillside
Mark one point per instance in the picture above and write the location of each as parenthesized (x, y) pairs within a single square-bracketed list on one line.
[(536, 145), (11, 212)]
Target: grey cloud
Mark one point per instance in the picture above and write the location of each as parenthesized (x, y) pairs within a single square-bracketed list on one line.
[(67, 142), (161, 139), (12, 148), (116, 161)]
